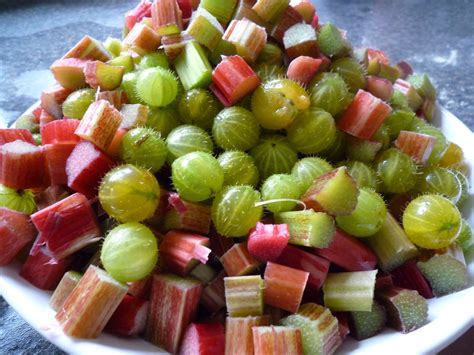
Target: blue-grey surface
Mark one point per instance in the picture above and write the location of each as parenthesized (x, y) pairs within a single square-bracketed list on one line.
[(435, 36)]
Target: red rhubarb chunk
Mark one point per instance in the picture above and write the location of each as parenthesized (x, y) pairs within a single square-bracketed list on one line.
[(213, 295), (22, 166), (409, 276), (60, 131), (69, 72), (129, 319), (8, 135), (348, 253), (66, 226), (267, 241), (166, 12), (50, 196), (364, 116), (143, 9), (417, 145), (380, 87), (299, 259), (45, 118), (85, 168), (203, 339), (52, 99), (56, 157), (289, 18), (141, 288), (186, 8), (16, 231), (43, 271), (237, 261), (378, 55), (303, 69), (233, 79)]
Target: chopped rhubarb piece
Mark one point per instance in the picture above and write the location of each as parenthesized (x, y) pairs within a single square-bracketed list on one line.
[(410, 277), (213, 295), (316, 266), (50, 196), (43, 271), (16, 231), (182, 250), (284, 286), (417, 145), (221, 10), (427, 110), (45, 118), (300, 40), (348, 252), (204, 273), (423, 85), (99, 124), (116, 97), (205, 29), (52, 98), (66, 226), (406, 309), (85, 168), (380, 87), (404, 69), (116, 144), (22, 166), (173, 45), (69, 72), (166, 13), (248, 38), (203, 339), (289, 18), (244, 295), (305, 8), (319, 329), (89, 48), (142, 39), (267, 241), (132, 17), (190, 216), (37, 112), (378, 56), (141, 288), (64, 289), (105, 76), (387, 72), (193, 67), (186, 7), (367, 324), (238, 334), (219, 243), (277, 341), (303, 69), (56, 156), (129, 319), (407, 89), (233, 79), (8, 135), (91, 304), (173, 305), (270, 10), (343, 323), (60, 131), (237, 261), (134, 115), (364, 116)]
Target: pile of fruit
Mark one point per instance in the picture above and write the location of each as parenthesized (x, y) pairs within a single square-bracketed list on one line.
[(234, 163)]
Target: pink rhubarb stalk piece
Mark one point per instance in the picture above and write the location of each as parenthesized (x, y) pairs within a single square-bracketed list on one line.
[(102, 75), (303, 69), (380, 87), (69, 72), (16, 231), (239, 336), (417, 145), (203, 339), (129, 319), (45, 118), (91, 304), (8, 135), (405, 69), (66, 226), (190, 216), (85, 168), (284, 286), (56, 157), (173, 305), (165, 13), (364, 116), (182, 250), (133, 115), (60, 131), (43, 271), (248, 38), (233, 79), (64, 289), (89, 48), (142, 39), (277, 340), (213, 295), (237, 261), (99, 124), (305, 8), (289, 18), (266, 242), (22, 166), (407, 89), (316, 266), (52, 99), (348, 252), (409, 276), (143, 9), (115, 97), (141, 288)]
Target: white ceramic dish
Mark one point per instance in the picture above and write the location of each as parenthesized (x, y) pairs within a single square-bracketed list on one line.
[(449, 316)]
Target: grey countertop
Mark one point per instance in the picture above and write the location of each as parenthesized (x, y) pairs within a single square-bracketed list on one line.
[(435, 36)]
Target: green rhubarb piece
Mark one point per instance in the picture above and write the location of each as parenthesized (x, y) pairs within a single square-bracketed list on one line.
[(367, 324), (308, 228), (204, 272), (391, 245), (350, 291), (351, 71), (329, 92), (205, 29), (406, 309), (445, 273), (332, 42), (388, 72), (223, 48), (113, 45), (244, 295), (222, 10), (373, 67), (271, 54), (270, 10), (193, 67), (423, 85), (37, 138), (319, 329), (125, 61), (465, 238)]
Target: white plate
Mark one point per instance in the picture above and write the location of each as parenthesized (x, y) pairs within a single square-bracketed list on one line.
[(449, 316)]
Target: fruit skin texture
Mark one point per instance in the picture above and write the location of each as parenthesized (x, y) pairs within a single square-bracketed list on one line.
[(431, 222)]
